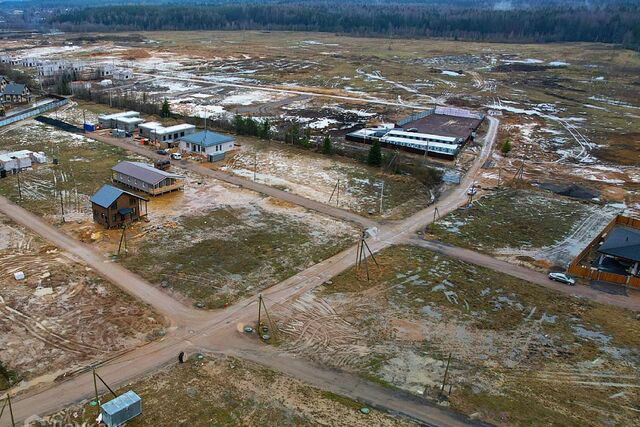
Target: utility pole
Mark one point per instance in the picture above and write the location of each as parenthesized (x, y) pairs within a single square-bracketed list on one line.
[(336, 191), (62, 205), (255, 164), (123, 239), (272, 326), (381, 196), (446, 372), (8, 402), (499, 176), (362, 255), (436, 215), (95, 387), (19, 186)]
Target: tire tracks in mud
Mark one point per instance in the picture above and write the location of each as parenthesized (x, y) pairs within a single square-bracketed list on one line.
[(41, 332)]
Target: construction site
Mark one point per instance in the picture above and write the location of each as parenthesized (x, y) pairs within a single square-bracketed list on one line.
[(210, 230)]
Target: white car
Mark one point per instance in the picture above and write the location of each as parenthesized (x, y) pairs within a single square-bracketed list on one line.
[(562, 278), (472, 191), (176, 156)]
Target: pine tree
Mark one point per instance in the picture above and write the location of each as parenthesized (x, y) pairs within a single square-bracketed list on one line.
[(265, 129), (166, 111), (506, 147), (294, 134), (375, 154), (327, 147), (238, 123), (306, 138)]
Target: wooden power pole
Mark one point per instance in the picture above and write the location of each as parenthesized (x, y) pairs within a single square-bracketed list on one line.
[(8, 402)]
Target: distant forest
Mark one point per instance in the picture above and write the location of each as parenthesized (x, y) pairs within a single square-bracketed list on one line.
[(612, 23)]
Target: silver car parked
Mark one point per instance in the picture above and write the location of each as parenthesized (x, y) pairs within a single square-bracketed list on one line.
[(562, 278)]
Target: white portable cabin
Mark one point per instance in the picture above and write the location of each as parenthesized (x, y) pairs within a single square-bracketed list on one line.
[(110, 121), (168, 135), (16, 161)]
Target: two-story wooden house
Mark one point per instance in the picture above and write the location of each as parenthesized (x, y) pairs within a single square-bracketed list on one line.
[(15, 93), (113, 207)]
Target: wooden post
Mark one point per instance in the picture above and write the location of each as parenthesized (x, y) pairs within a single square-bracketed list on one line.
[(446, 372), (95, 386), (336, 188), (381, 196), (19, 186), (105, 384), (255, 164), (370, 252), (366, 265), (271, 325), (62, 205), (13, 421), (123, 239)]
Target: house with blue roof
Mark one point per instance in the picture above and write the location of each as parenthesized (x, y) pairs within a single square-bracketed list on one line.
[(211, 145), (113, 207)]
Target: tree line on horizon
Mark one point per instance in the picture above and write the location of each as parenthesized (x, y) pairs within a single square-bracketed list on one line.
[(612, 23)]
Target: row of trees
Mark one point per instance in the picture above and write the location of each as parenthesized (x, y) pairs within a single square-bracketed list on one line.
[(250, 126), (608, 23)]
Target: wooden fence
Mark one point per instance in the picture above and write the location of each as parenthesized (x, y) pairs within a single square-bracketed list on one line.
[(579, 269)]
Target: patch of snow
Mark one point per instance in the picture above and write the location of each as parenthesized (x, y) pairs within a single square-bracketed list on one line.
[(451, 73), (322, 123), (251, 97)]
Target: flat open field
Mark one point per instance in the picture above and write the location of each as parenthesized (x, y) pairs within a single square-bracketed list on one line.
[(225, 391), (210, 244), (527, 225), (62, 316), (518, 351), (232, 248)]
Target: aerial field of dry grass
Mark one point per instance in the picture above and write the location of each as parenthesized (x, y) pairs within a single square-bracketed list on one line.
[(62, 315), (520, 354), (224, 391)]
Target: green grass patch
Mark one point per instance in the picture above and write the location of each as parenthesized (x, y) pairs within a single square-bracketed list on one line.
[(227, 253), (511, 218), (7, 377)]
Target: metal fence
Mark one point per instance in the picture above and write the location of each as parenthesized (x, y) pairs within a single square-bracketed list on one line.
[(59, 124), (34, 111), (414, 117)]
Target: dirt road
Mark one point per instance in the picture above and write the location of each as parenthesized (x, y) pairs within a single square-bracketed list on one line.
[(631, 301), (276, 89)]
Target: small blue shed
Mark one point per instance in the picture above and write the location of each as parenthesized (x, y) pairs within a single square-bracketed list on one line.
[(121, 409)]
